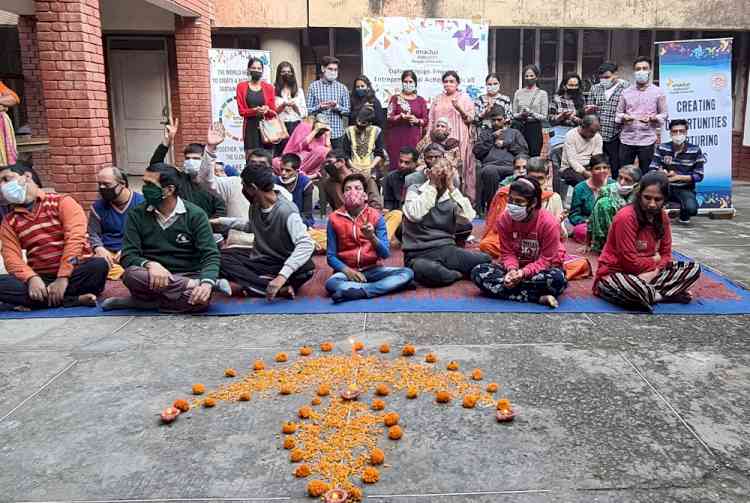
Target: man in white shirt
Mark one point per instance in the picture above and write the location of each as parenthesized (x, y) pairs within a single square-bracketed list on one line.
[(580, 144)]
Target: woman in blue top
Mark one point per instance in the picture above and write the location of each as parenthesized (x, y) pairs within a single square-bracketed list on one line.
[(585, 195)]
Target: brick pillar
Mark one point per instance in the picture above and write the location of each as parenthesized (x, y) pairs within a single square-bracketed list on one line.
[(72, 75), (33, 98), (193, 101)]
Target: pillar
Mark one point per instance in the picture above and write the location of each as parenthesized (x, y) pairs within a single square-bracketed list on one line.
[(284, 45), (73, 82)]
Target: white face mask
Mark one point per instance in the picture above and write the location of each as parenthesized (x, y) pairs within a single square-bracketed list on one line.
[(14, 192), (517, 212), (624, 190), (409, 88), (607, 83), (641, 76), (493, 88), (287, 181), (191, 166), (331, 75), (679, 139)]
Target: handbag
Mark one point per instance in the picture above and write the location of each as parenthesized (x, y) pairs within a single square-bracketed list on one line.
[(273, 130)]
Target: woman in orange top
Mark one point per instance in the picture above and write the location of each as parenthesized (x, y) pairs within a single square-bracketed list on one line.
[(256, 100), (8, 152)]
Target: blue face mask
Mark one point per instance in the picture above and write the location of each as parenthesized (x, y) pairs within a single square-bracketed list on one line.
[(14, 192), (360, 92)]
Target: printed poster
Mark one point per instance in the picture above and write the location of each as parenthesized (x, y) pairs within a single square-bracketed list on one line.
[(228, 67)]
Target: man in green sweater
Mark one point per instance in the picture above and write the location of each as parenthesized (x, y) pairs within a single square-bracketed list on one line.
[(169, 254)]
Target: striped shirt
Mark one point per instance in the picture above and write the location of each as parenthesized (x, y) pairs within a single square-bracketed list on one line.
[(688, 162), (606, 100), (323, 90), (640, 103)]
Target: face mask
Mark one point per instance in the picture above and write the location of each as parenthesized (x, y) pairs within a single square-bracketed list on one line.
[(256, 165), (354, 199), (607, 83), (153, 194), (361, 127), (331, 75), (288, 181), (255, 75), (600, 178), (409, 88), (641, 76), (493, 88), (679, 139), (109, 194), (14, 192), (517, 212), (624, 190), (360, 92), (573, 91), (191, 166), (286, 77), (529, 82)]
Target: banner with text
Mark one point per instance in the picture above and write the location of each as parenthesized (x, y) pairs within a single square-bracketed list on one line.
[(429, 47), (696, 75), (229, 68)]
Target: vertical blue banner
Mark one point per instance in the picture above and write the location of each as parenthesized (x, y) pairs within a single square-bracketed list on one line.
[(696, 76)]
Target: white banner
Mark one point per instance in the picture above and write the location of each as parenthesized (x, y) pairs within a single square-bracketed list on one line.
[(228, 68), (746, 137), (429, 47)]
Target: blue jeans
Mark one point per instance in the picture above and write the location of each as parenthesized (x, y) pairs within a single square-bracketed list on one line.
[(380, 281)]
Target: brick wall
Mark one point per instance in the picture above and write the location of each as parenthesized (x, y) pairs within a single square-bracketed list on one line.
[(72, 70), (33, 98), (740, 158)]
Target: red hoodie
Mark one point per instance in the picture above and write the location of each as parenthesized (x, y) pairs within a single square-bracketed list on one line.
[(534, 246)]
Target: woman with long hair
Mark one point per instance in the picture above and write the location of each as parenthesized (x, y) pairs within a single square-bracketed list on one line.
[(255, 101), (636, 269), (290, 101), (363, 96), (483, 105), (530, 108), (407, 118), (311, 142), (567, 107)]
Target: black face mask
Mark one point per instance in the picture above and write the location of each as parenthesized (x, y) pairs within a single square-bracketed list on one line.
[(286, 78), (529, 82), (255, 75), (109, 194), (256, 165)]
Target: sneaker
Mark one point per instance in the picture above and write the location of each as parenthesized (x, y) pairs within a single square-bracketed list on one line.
[(684, 222)]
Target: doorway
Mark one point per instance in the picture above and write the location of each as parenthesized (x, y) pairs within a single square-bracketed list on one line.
[(139, 83)]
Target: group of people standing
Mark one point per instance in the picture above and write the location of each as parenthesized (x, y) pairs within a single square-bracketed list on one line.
[(195, 231)]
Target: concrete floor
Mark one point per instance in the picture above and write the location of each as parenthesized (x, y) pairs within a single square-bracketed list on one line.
[(614, 408)]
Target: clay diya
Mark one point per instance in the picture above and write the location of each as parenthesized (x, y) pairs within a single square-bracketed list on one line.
[(505, 412), (351, 392), (169, 414), (336, 495)]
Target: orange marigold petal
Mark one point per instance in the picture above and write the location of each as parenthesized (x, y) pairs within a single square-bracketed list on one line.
[(395, 432), (305, 351), (326, 347), (431, 358), (289, 427), (244, 396), (492, 387), (391, 419), (281, 357), (317, 488), (384, 348), (198, 389), (477, 374), (181, 405), (259, 365), (305, 412), (377, 456), (370, 475), (230, 372), (302, 471), (442, 397), (382, 390), (209, 402), (409, 350), (377, 405)]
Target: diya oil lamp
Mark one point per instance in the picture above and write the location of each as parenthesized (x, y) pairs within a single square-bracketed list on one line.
[(505, 411), (169, 414), (336, 495), (351, 392)]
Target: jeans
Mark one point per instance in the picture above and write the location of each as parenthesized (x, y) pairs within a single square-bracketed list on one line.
[(644, 154), (685, 196), (445, 265), (89, 276), (380, 281), (612, 150), (490, 280)]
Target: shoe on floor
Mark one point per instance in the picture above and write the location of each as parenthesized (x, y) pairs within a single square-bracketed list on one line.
[(348, 294)]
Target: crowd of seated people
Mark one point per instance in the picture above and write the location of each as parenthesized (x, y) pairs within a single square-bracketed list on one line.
[(194, 231)]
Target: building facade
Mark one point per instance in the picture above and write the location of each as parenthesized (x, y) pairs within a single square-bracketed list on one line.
[(99, 78)]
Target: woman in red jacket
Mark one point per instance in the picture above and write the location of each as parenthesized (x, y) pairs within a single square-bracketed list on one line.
[(635, 267), (255, 100)]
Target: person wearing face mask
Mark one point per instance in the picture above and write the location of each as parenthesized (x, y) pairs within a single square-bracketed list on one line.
[(329, 98), (363, 96), (256, 100), (357, 244), (169, 254), (636, 269), (485, 103), (530, 265), (279, 262), (536, 168), (530, 108), (50, 229), (290, 102), (108, 216), (642, 110), (603, 101), (581, 144), (497, 148), (585, 195), (433, 214), (407, 118), (456, 107), (611, 198), (298, 185), (683, 163), (363, 144), (187, 174), (567, 108)]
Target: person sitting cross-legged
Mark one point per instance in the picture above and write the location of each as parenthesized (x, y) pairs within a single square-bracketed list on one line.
[(636, 269), (169, 254), (51, 229), (357, 241), (432, 213), (519, 169), (585, 195), (280, 261), (108, 216), (530, 267), (611, 198)]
